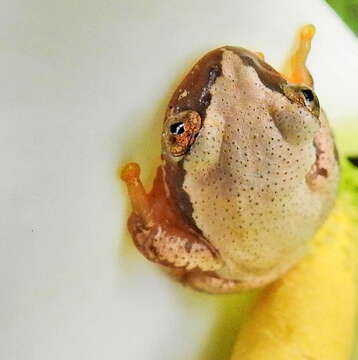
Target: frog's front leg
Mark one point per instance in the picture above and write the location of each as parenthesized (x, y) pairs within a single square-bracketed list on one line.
[(159, 231)]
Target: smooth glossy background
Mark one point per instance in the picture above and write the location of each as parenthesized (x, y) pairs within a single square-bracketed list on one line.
[(83, 87)]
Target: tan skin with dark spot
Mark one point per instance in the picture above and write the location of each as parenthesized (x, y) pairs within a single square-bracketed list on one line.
[(249, 173)]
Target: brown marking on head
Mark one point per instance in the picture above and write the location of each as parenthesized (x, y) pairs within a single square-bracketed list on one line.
[(267, 74), (188, 103), (193, 93), (273, 80)]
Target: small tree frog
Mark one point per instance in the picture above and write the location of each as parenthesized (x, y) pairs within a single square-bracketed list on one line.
[(249, 172)]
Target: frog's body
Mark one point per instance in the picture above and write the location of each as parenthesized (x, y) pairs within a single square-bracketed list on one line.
[(249, 174)]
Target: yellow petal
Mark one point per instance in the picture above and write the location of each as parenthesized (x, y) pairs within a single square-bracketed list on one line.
[(309, 313)]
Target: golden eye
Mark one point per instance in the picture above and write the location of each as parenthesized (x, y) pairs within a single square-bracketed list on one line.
[(303, 95), (180, 131)]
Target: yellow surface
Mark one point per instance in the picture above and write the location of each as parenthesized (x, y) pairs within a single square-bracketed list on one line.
[(310, 313)]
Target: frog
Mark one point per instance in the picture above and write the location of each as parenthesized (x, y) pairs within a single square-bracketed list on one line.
[(249, 172)]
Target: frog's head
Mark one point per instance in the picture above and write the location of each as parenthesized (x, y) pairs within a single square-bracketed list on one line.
[(188, 107), (231, 90)]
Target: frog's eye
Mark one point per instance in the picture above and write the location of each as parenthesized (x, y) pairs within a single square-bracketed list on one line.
[(177, 128), (308, 95), (180, 131), (303, 95)]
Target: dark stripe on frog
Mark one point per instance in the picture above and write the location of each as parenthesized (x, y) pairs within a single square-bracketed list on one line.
[(174, 178), (197, 84), (267, 74)]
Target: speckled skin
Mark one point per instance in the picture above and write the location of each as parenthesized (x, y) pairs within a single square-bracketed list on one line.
[(247, 175), (250, 187)]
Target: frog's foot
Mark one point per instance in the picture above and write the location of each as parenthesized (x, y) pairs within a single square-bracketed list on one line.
[(210, 283), (158, 229), (299, 73)]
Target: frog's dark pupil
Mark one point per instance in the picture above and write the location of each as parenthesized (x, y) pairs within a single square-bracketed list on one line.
[(308, 94), (177, 128)]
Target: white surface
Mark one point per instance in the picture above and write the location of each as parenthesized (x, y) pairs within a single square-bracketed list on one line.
[(81, 85)]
